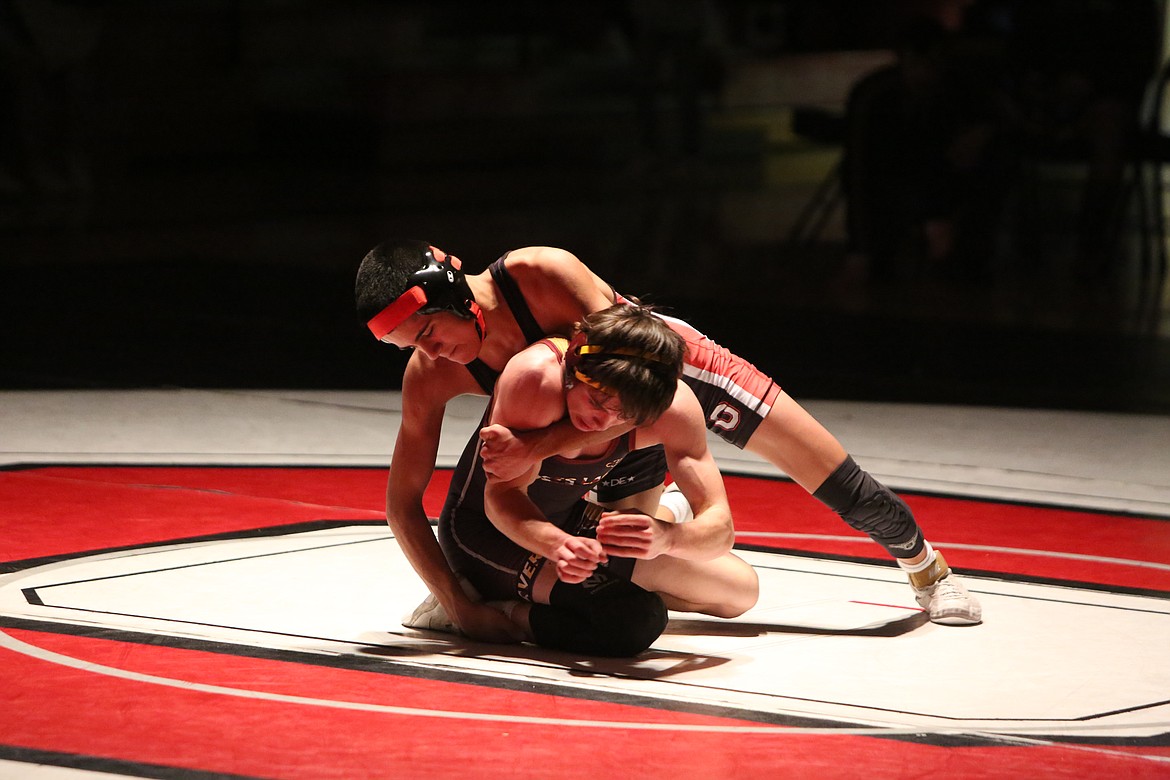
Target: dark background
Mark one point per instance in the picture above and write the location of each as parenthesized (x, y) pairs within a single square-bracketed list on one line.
[(188, 186)]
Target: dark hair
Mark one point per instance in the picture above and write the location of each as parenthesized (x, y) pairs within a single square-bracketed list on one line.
[(644, 381), (384, 274)]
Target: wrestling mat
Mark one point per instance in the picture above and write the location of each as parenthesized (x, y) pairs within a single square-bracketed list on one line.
[(185, 621)]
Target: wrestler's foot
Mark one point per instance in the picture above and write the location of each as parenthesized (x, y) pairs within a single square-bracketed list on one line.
[(431, 616), (944, 597)]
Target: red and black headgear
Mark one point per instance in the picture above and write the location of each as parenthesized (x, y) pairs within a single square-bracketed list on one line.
[(439, 285)]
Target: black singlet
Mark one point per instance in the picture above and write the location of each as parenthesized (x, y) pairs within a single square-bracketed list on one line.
[(484, 374), (478, 550)]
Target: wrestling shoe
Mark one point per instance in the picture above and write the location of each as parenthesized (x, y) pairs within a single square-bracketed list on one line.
[(943, 596), (431, 615)]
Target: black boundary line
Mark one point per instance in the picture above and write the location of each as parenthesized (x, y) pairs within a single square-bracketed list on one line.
[(34, 595), (10, 567), (249, 533), (462, 676), (110, 765), (270, 554), (307, 526)]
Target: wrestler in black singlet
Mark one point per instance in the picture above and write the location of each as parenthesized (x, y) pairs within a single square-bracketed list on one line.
[(643, 469), (491, 561)]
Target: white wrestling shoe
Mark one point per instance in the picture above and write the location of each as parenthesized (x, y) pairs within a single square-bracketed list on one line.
[(943, 595), (431, 616)]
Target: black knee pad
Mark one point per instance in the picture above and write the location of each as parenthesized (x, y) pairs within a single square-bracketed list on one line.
[(870, 507), (612, 618)]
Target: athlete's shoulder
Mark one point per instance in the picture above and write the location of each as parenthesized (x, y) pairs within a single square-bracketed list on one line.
[(530, 391), (681, 424), (533, 262), (564, 286), (538, 361)]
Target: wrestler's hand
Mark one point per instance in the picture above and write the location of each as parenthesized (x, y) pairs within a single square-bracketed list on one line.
[(505, 455), (486, 624), (633, 535), (577, 558)]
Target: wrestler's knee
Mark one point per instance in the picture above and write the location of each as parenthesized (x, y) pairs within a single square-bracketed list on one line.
[(741, 596), (619, 619), (628, 623)]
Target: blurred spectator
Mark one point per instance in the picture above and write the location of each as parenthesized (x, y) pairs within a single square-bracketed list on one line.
[(934, 141), (1081, 68), (925, 163)]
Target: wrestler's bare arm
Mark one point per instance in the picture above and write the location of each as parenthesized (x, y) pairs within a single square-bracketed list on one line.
[(711, 533), (559, 288), (427, 386), (507, 453), (529, 393), (561, 291)]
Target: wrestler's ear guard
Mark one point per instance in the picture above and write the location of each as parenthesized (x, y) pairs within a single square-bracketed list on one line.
[(439, 285)]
